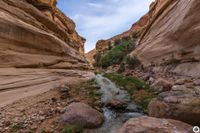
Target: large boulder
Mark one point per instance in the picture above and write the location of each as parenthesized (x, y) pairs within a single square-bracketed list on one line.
[(146, 124), (181, 103), (82, 114)]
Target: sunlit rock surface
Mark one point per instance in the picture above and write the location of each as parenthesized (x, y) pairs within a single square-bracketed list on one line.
[(172, 36), (39, 47)]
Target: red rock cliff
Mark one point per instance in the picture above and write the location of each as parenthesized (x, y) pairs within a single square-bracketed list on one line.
[(39, 47), (172, 36)]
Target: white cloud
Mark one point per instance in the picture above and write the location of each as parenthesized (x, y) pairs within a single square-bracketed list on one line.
[(95, 5), (104, 19)]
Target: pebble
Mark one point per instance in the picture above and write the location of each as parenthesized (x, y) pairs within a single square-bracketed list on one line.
[(197, 82), (151, 80)]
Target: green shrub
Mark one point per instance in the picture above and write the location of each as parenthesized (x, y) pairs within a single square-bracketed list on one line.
[(132, 62), (43, 131), (137, 89), (121, 68), (143, 98), (16, 126), (109, 47), (72, 129), (128, 82), (115, 55)]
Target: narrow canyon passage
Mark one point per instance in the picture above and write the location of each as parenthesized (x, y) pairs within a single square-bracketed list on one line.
[(144, 80)]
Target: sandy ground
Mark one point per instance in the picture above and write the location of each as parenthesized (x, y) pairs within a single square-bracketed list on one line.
[(16, 84), (39, 112)]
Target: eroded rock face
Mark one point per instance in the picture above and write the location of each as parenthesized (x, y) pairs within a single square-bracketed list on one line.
[(82, 114), (172, 36), (39, 46), (181, 103), (90, 56), (27, 33), (102, 46), (146, 124)]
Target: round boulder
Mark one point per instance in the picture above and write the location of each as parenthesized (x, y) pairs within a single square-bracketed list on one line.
[(146, 124), (181, 103), (82, 114)]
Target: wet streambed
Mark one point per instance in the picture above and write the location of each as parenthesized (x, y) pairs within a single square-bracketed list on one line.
[(114, 118)]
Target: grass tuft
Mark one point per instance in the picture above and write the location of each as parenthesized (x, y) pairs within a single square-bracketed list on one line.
[(139, 91), (72, 129)]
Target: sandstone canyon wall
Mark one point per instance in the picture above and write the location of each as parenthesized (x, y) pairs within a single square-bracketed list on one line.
[(168, 47), (171, 39), (167, 37), (39, 47), (103, 46)]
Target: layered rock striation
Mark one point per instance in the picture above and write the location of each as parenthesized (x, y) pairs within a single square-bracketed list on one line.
[(39, 47), (168, 44), (171, 38)]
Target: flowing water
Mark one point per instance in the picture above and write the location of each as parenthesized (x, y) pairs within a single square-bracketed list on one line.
[(114, 118)]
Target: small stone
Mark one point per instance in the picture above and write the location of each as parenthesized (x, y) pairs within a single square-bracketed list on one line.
[(162, 85), (60, 110), (197, 82), (41, 113), (33, 127), (132, 107), (180, 82), (117, 104), (151, 80)]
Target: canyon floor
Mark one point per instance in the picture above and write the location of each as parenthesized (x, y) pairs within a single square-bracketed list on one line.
[(40, 112), (145, 80)]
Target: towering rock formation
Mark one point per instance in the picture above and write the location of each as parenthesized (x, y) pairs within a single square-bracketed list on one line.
[(168, 37), (168, 41), (90, 57), (172, 36), (39, 47)]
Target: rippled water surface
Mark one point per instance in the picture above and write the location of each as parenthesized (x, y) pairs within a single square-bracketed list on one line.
[(114, 119)]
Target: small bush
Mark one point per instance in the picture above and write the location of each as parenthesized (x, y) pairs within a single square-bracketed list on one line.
[(137, 89), (121, 68), (72, 129), (132, 62), (43, 131), (16, 126), (128, 82), (115, 55), (143, 98), (109, 47)]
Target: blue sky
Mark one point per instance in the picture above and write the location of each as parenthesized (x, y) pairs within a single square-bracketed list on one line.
[(102, 19)]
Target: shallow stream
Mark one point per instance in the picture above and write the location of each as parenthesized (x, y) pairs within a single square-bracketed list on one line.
[(114, 118)]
